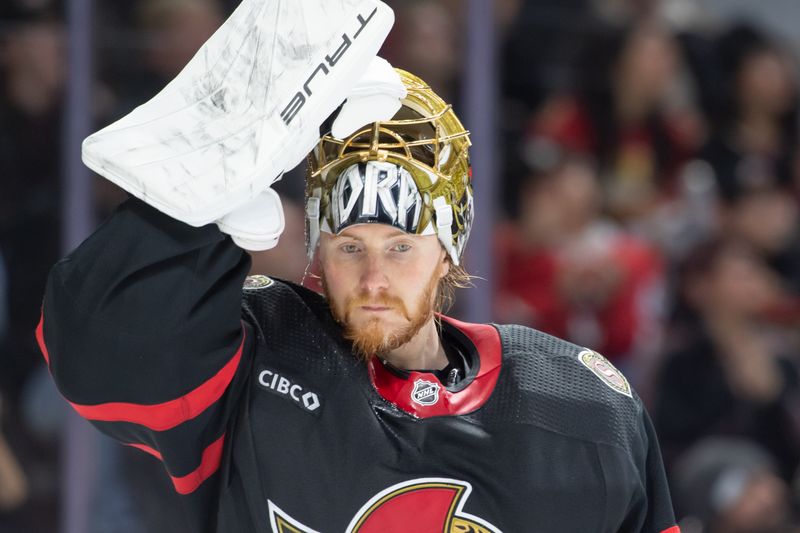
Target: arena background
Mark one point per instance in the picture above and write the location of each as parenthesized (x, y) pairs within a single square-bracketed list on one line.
[(637, 177)]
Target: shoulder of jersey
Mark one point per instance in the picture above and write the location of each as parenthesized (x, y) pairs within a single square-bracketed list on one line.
[(268, 297), (587, 396), (564, 363)]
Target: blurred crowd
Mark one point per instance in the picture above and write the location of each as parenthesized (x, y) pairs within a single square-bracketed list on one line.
[(650, 208)]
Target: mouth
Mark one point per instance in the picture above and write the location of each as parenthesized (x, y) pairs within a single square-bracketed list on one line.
[(375, 308)]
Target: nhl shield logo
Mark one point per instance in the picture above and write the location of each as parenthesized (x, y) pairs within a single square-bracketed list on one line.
[(425, 392)]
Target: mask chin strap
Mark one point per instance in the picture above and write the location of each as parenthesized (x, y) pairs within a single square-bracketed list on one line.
[(444, 226), (312, 216)]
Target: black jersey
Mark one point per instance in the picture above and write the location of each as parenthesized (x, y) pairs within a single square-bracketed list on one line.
[(266, 422)]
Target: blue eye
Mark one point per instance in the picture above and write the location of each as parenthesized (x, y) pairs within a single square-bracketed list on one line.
[(349, 248), (402, 247)]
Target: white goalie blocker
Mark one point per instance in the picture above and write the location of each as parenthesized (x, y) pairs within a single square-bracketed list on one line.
[(245, 109)]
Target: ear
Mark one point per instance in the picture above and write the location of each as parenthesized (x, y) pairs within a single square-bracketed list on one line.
[(444, 264)]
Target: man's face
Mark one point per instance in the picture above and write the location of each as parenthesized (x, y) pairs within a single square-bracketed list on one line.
[(381, 283)]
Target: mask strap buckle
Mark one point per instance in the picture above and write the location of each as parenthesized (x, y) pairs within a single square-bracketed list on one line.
[(444, 226), (312, 216)]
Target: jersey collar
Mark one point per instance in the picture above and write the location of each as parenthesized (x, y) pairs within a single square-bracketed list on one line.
[(422, 395)]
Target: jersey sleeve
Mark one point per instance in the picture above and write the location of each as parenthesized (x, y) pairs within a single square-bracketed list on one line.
[(141, 329), (651, 507)]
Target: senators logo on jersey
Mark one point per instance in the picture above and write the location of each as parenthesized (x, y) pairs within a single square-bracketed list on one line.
[(428, 505)]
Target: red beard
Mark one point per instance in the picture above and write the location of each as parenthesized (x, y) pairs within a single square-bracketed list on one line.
[(374, 338)]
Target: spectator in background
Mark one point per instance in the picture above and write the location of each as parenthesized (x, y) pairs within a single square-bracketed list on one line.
[(725, 373), (538, 42), (177, 29), (625, 114), (753, 151), (426, 41), (568, 271), (766, 217), (754, 135), (724, 485), (32, 80), (172, 31)]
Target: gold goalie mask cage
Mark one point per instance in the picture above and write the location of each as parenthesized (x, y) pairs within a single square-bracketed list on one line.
[(411, 172)]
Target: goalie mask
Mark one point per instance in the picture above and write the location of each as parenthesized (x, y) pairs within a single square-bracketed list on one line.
[(411, 172)]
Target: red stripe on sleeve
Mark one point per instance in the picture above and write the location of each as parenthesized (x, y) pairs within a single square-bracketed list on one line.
[(167, 415), (146, 449), (673, 529), (162, 416), (209, 464), (40, 339)]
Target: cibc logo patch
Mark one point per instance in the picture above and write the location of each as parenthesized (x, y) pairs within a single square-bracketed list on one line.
[(290, 390), (425, 392)]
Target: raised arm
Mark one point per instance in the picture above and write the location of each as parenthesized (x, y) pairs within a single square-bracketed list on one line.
[(142, 332), (141, 324)]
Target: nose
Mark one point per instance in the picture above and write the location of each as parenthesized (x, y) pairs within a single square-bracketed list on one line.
[(374, 278)]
